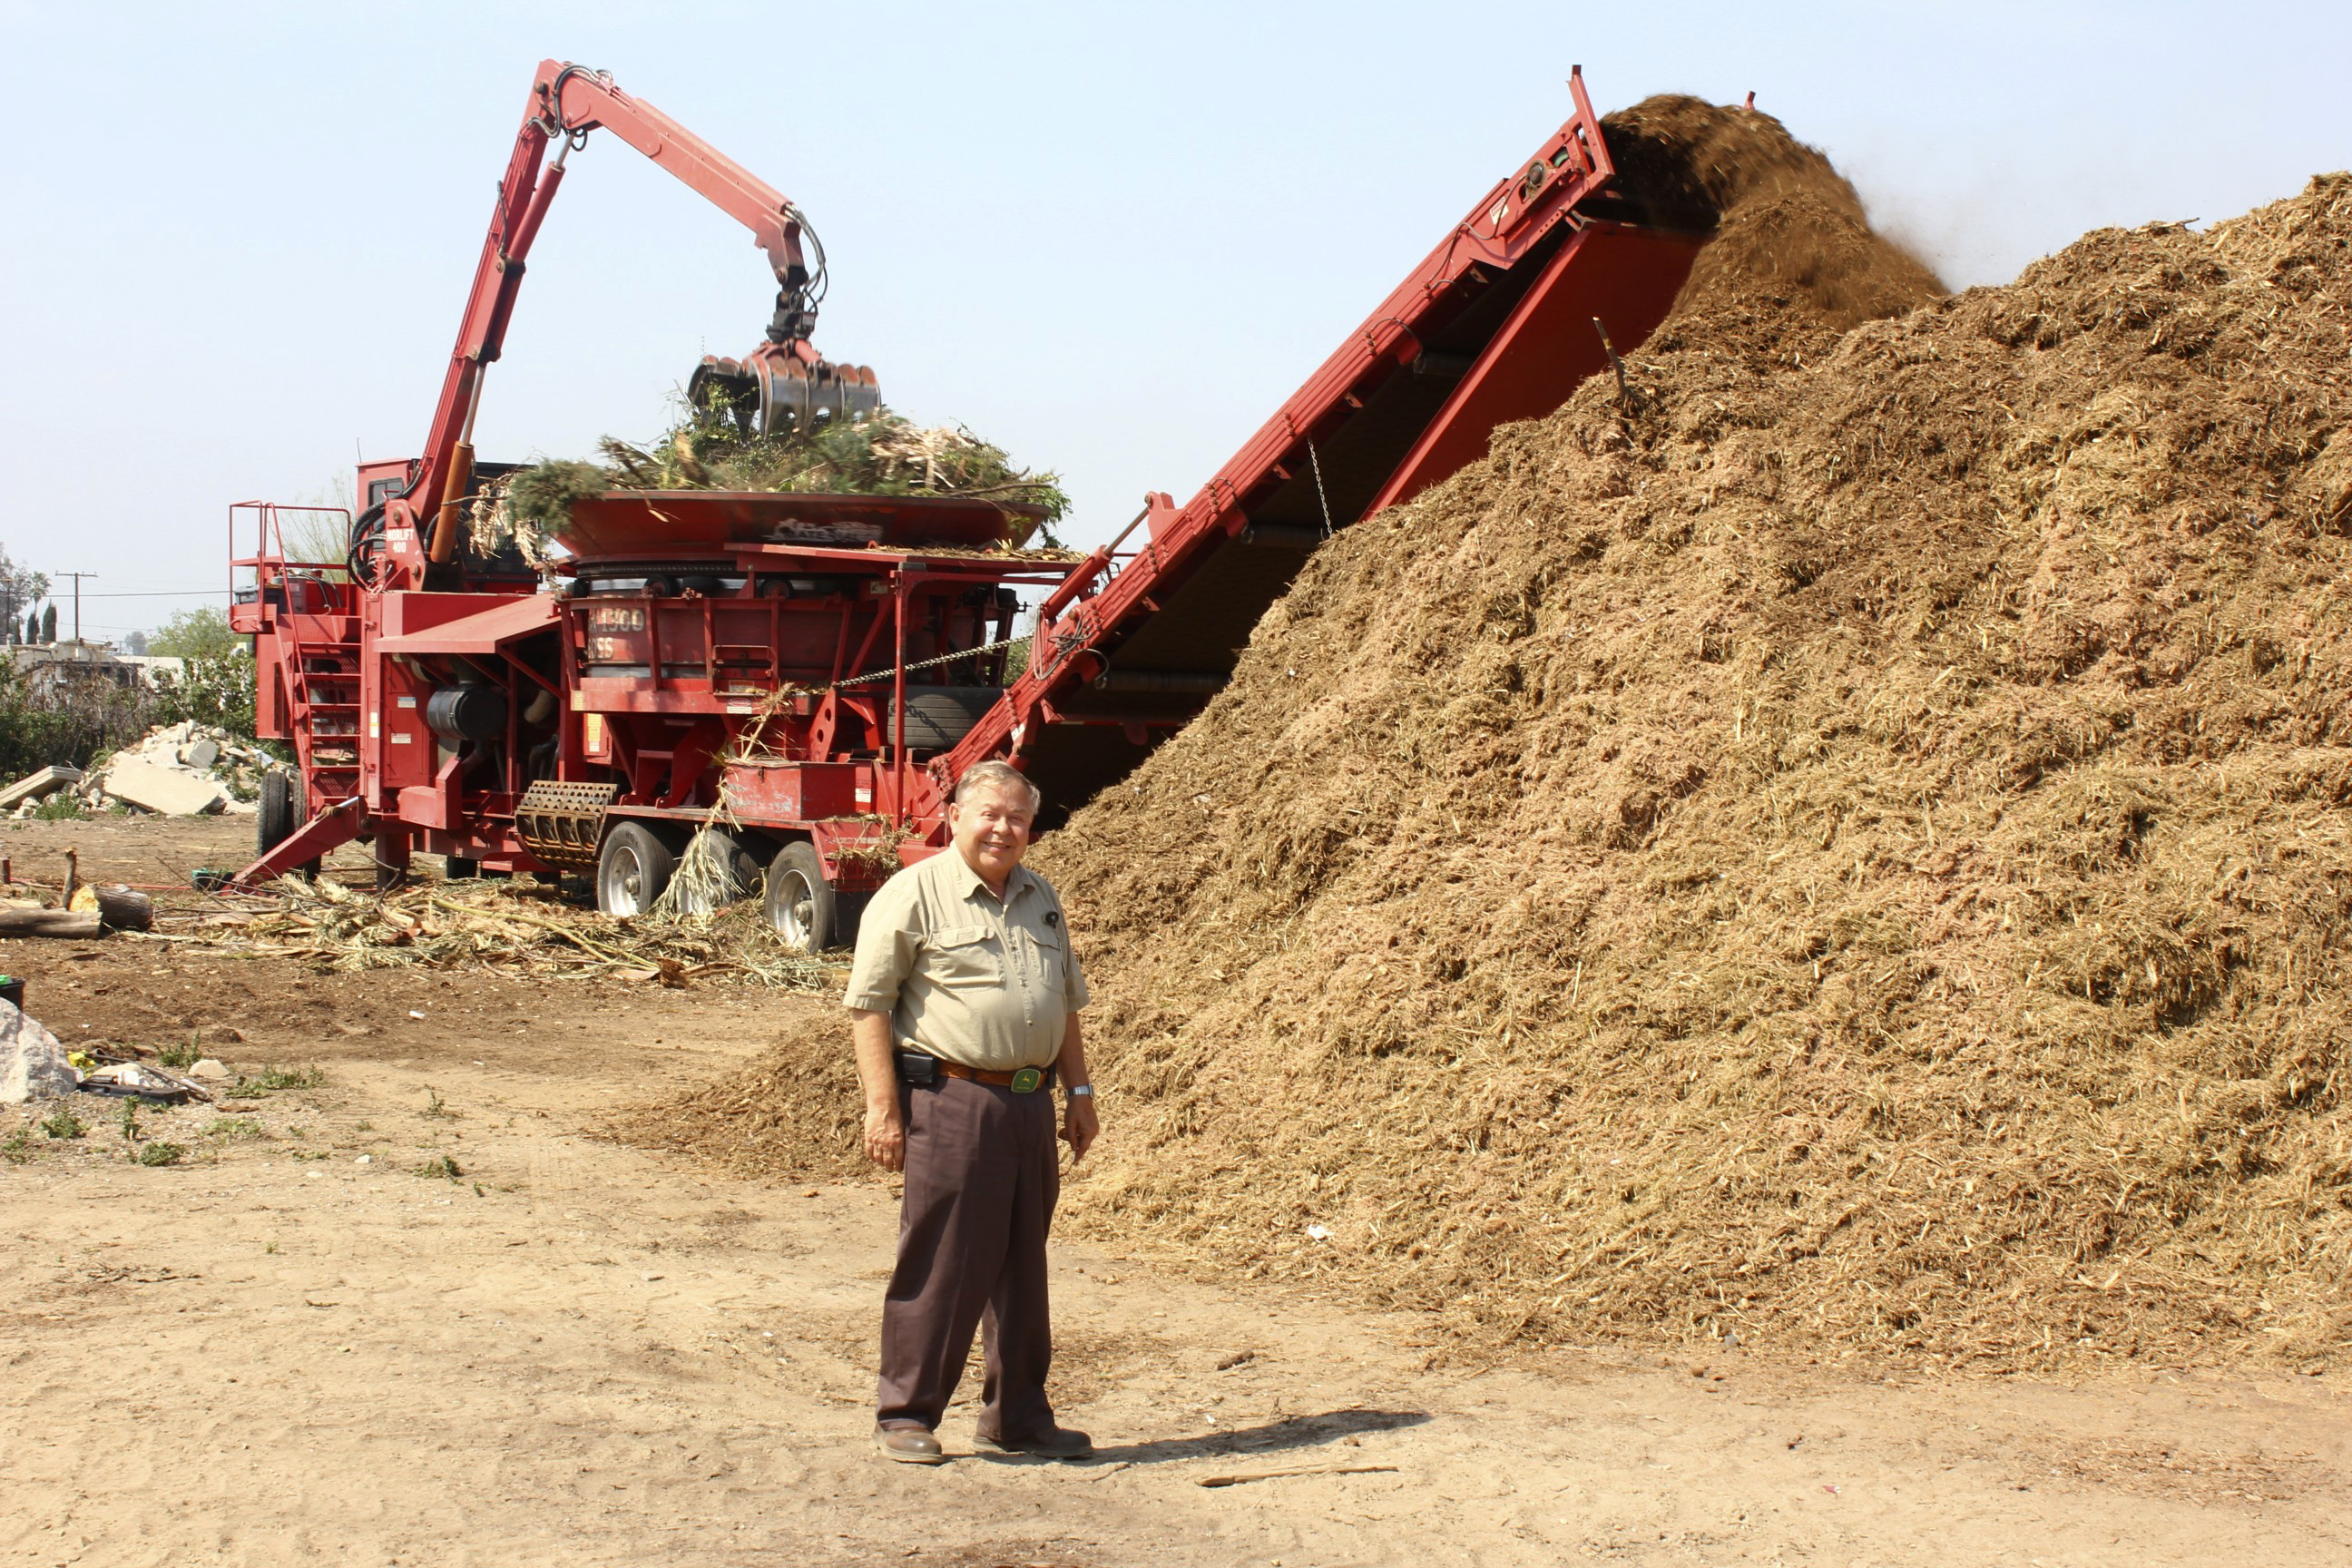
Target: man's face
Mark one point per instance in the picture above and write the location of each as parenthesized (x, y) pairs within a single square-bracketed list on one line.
[(992, 830)]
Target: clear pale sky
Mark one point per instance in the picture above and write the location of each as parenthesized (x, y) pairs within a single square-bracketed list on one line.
[(234, 239)]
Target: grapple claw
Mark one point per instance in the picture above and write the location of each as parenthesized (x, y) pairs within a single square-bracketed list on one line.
[(773, 391)]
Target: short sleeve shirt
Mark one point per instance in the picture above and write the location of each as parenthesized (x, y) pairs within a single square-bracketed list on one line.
[(971, 979)]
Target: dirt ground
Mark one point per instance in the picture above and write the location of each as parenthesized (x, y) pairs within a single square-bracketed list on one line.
[(423, 1313)]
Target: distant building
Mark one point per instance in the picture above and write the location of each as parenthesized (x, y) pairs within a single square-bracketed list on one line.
[(48, 665)]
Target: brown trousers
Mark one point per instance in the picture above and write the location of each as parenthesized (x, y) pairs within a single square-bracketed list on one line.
[(983, 1173)]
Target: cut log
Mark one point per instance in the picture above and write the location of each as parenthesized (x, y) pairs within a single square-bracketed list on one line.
[(50, 923), (118, 906)]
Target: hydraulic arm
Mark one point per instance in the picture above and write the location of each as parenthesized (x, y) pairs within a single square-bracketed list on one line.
[(781, 383)]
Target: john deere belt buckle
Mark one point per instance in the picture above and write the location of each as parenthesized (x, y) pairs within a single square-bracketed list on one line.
[(1027, 1079)]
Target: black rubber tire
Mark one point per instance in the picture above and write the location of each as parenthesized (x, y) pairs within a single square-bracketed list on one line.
[(803, 906), (279, 812), (940, 716), (632, 867), (739, 873)]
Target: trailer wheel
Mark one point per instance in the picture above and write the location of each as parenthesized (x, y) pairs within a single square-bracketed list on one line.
[(714, 872), (803, 906), (280, 815), (631, 871), (940, 716), (276, 818)]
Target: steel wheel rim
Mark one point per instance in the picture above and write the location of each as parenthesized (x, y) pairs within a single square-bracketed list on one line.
[(795, 909), (624, 883)]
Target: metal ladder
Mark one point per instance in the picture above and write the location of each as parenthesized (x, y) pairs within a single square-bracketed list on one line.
[(322, 695)]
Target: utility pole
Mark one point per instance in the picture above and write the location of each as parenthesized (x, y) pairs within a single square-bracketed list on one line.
[(77, 576)]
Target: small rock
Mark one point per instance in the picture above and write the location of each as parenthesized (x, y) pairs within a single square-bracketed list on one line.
[(33, 1063), (200, 754), (364, 1160), (208, 1069)]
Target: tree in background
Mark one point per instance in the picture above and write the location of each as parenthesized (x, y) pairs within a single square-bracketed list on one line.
[(21, 588), (134, 644), (196, 634), (69, 718), (217, 685), (211, 690), (49, 623)]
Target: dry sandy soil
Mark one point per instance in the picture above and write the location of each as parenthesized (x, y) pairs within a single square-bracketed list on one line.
[(309, 1341)]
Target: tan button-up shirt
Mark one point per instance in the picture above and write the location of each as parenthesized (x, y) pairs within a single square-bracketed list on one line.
[(971, 980)]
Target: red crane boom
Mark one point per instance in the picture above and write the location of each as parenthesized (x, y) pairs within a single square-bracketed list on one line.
[(566, 102)]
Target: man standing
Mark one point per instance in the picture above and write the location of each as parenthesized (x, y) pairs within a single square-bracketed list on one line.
[(964, 1004)]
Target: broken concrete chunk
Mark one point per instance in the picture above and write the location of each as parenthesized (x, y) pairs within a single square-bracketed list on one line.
[(162, 789), (33, 1065), (38, 787)]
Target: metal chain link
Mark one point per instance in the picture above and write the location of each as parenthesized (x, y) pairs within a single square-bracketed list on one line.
[(929, 663), (1315, 458)]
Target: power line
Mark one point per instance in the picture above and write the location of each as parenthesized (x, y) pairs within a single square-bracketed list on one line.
[(159, 593)]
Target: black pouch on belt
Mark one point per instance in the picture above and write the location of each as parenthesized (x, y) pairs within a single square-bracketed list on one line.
[(917, 1067)]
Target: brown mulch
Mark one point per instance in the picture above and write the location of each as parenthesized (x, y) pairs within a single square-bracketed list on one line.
[(1850, 850)]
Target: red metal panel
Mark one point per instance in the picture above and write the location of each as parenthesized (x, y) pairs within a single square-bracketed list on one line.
[(674, 523), (1540, 351), (460, 622), (791, 792), (1627, 277)]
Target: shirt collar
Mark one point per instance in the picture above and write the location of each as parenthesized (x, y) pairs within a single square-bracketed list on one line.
[(968, 882)]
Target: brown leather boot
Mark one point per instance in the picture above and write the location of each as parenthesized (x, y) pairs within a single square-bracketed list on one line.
[(1054, 1443), (908, 1445)]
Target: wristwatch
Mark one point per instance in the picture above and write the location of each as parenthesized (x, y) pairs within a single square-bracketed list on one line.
[(1080, 1091)]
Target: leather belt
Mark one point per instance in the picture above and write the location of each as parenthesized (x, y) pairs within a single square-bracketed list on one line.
[(917, 1066)]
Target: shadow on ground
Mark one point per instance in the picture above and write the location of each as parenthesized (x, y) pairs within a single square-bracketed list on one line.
[(1275, 1437)]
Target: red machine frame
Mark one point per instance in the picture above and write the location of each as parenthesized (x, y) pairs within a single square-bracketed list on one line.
[(721, 658), (1521, 301)]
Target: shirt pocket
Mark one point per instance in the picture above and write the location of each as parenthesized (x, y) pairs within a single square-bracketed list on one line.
[(964, 957), (1042, 951)]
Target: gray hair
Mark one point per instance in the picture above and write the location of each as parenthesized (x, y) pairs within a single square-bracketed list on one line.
[(1002, 777)]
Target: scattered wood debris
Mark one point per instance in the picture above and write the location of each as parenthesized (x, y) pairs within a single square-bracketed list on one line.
[(512, 927)]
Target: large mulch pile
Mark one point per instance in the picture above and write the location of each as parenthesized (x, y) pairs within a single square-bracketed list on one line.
[(1850, 849)]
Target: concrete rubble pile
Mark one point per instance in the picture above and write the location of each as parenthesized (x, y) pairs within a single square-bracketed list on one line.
[(175, 770)]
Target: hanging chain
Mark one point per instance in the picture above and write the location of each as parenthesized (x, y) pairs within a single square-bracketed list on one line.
[(929, 663), (1315, 460)]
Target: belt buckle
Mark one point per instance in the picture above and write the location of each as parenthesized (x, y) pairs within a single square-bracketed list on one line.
[(1027, 1079)]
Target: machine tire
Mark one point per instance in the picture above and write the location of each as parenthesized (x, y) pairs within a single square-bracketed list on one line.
[(803, 906), (940, 716), (278, 813), (739, 874), (632, 870)]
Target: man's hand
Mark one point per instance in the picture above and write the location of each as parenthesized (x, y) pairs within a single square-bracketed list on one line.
[(885, 1137), (878, 1075), (1080, 1127)]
